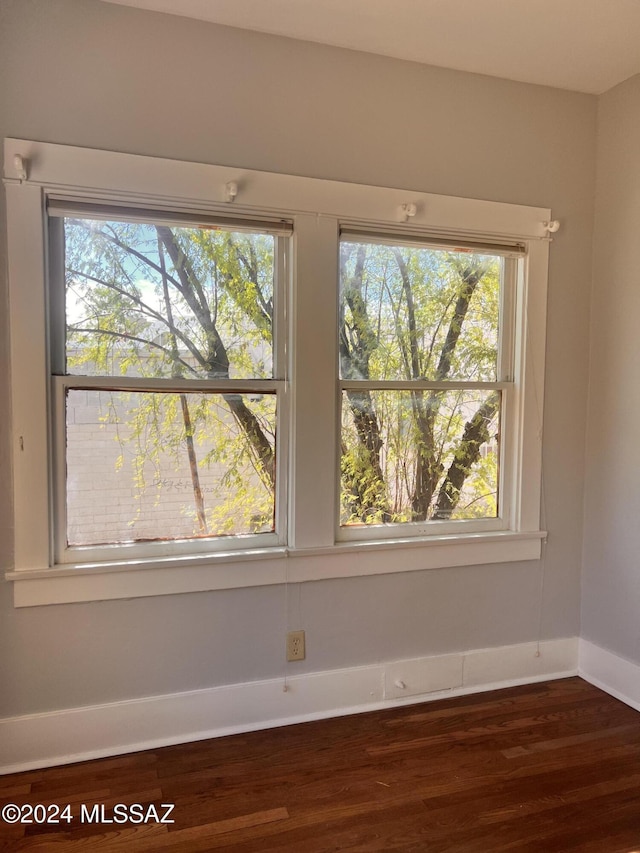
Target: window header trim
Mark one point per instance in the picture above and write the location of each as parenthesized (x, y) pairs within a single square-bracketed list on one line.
[(68, 171)]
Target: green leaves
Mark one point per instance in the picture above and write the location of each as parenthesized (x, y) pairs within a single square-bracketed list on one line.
[(410, 313), (150, 301), (221, 287), (399, 305)]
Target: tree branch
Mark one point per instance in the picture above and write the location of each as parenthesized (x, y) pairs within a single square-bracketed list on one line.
[(470, 279), (149, 312), (258, 441), (189, 286), (265, 308), (126, 336), (191, 290), (411, 314), (128, 249)]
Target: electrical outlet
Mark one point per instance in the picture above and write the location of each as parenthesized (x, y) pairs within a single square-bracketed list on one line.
[(295, 645)]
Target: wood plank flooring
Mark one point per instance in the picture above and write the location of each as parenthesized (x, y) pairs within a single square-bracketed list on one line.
[(545, 768)]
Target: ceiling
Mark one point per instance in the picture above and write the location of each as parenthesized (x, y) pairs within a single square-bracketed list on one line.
[(584, 45)]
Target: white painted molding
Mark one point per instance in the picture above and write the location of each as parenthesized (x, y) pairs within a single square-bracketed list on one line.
[(66, 585), (88, 171), (79, 734), (614, 674)]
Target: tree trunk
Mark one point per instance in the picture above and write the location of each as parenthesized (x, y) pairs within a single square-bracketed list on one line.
[(193, 464), (217, 358), (184, 403), (255, 436), (476, 432), (428, 469), (356, 345)]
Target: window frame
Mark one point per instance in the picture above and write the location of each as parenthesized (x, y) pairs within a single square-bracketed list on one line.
[(317, 209), (62, 382), (510, 284)]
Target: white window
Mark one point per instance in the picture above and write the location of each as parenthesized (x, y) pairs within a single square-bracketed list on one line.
[(168, 370), (228, 378), (426, 336)]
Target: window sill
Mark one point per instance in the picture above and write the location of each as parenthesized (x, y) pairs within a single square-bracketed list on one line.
[(264, 567)]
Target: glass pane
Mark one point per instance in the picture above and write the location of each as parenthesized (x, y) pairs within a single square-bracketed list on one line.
[(154, 300), (419, 455), (156, 466), (418, 313)]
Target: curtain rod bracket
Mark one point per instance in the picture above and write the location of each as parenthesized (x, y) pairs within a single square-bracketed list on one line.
[(407, 211), (231, 191), (20, 166)]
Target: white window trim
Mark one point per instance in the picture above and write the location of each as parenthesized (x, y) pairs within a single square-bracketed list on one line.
[(317, 209)]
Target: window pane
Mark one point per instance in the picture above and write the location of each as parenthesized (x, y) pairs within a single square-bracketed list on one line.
[(154, 300), (419, 455), (418, 313), (156, 466)]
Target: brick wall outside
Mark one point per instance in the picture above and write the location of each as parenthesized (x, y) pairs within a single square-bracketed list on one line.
[(104, 504)]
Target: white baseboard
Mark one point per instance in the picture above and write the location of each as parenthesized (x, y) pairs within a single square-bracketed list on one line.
[(78, 734), (614, 674)]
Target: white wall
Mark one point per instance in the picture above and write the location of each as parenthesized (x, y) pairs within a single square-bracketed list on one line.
[(91, 74), (611, 580)]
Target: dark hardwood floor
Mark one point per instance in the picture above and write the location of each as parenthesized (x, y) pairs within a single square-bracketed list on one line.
[(542, 768)]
